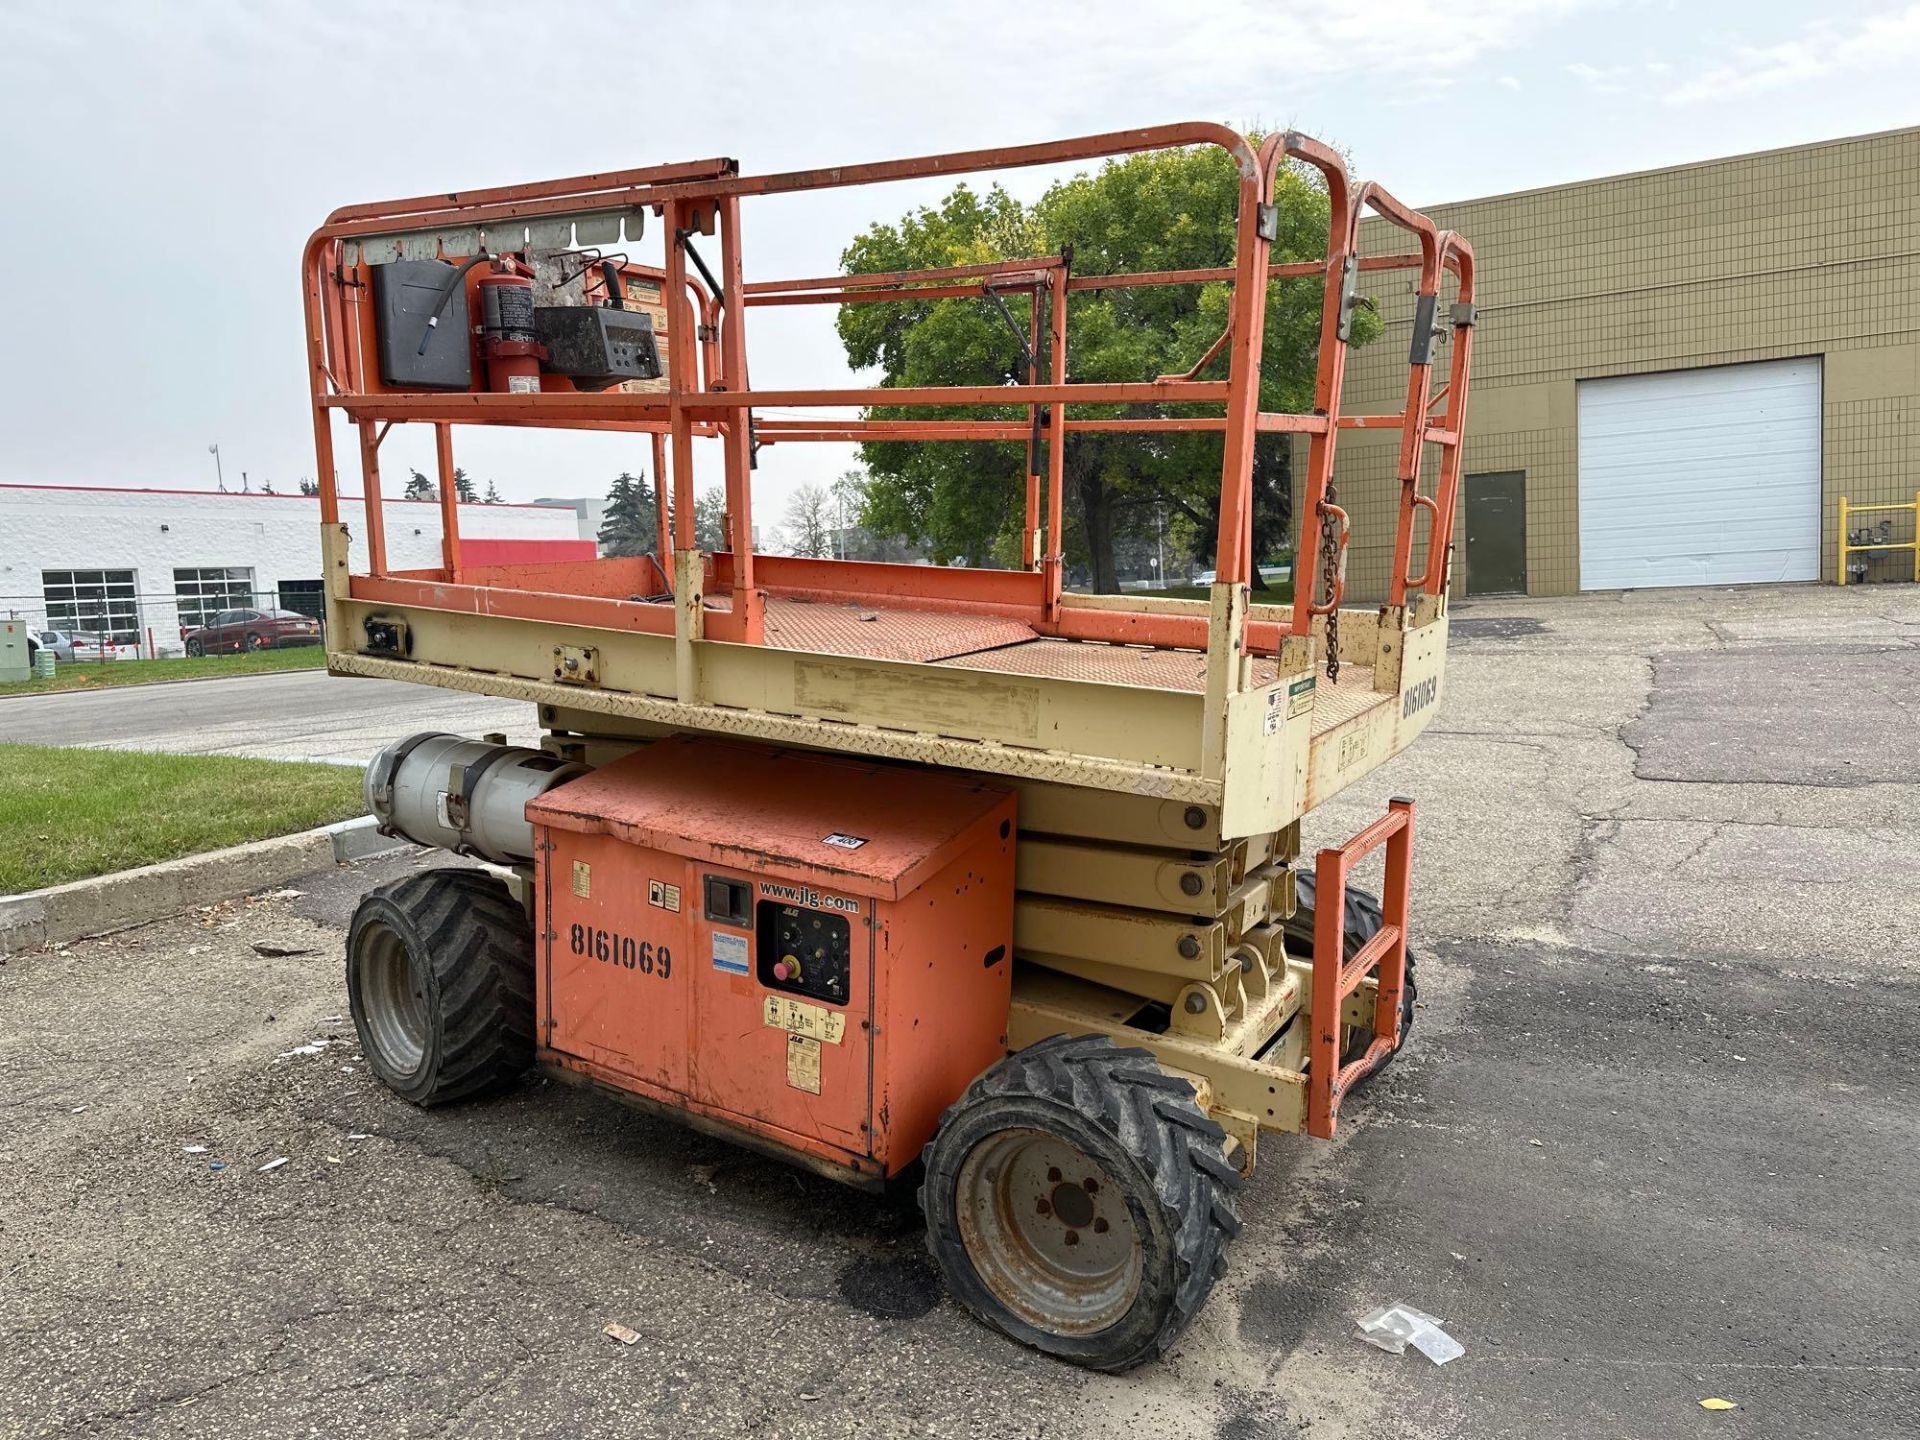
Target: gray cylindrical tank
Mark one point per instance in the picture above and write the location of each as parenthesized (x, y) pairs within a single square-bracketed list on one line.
[(467, 796)]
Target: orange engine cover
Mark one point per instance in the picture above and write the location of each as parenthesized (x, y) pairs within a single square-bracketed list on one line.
[(816, 950)]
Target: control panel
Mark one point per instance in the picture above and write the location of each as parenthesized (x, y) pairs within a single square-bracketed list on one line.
[(805, 952)]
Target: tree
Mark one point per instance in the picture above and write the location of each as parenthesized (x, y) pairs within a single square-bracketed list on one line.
[(809, 524), (419, 487), (492, 496), (1170, 210), (629, 526), (309, 487), (853, 538), (709, 519), (463, 486)]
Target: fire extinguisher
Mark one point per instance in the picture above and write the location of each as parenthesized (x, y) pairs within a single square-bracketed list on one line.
[(507, 340)]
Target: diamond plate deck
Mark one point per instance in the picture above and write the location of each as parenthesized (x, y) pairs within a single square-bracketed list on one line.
[(863, 630)]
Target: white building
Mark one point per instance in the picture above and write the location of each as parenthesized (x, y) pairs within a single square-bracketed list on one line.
[(140, 563)]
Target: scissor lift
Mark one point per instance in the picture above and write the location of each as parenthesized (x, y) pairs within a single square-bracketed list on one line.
[(1161, 752)]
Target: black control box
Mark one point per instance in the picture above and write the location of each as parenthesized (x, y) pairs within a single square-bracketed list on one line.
[(406, 295), (806, 952), (595, 346)]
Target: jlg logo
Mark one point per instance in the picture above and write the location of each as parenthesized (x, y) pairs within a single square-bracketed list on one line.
[(811, 898), (1420, 697)]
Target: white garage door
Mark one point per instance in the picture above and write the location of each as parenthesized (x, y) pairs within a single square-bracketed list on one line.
[(1701, 477)]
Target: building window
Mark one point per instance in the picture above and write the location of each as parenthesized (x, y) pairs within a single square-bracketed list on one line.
[(201, 594), (306, 596), (93, 602)]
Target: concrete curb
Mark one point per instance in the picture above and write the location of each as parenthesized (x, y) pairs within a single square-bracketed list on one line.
[(62, 913)]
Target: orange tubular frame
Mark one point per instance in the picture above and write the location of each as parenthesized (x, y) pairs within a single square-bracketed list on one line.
[(710, 394), (1336, 975)]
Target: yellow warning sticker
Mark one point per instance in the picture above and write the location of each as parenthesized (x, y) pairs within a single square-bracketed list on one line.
[(803, 1063), (797, 1017), (582, 879)]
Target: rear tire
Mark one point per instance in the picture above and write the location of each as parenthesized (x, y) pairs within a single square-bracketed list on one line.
[(1078, 1199), (1363, 921), (258, 642), (440, 980)]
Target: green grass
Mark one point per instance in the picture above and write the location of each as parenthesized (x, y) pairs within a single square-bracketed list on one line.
[(69, 814), (97, 674)]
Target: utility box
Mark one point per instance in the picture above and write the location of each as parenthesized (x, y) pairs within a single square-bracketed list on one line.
[(15, 662), (814, 948)]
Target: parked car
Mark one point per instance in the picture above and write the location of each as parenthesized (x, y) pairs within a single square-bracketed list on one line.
[(235, 631), (102, 647), (57, 641)]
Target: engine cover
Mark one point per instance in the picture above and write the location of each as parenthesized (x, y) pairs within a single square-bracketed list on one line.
[(813, 949)]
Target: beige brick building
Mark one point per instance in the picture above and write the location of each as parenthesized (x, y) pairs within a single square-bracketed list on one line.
[(1676, 373)]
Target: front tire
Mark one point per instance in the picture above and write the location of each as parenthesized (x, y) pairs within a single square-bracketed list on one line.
[(440, 981), (1078, 1199), (195, 649)]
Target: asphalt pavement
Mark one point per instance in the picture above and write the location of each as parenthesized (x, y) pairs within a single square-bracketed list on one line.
[(287, 715), (1656, 1138)]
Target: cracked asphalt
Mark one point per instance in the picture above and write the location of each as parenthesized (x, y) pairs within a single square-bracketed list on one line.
[(1656, 1138)]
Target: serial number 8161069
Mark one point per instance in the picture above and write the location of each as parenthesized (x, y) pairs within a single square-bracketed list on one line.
[(623, 950)]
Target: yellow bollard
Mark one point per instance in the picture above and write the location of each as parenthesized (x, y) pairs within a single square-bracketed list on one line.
[(1842, 576)]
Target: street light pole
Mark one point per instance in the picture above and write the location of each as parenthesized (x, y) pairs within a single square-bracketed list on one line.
[(219, 477)]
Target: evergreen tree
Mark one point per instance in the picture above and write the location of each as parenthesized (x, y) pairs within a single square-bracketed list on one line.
[(492, 496), (463, 486), (628, 526), (419, 487)]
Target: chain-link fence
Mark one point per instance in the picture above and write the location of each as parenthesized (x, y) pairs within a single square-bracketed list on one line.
[(95, 615)]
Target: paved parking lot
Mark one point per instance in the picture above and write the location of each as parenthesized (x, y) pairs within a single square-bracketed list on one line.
[(1656, 1140)]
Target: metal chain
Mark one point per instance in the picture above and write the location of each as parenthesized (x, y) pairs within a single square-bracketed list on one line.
[(1329, 570)]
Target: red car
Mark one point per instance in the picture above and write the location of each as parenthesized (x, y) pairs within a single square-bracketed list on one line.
[(234, 631)]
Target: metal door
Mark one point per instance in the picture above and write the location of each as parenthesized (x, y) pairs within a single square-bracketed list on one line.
[(1497, 533)]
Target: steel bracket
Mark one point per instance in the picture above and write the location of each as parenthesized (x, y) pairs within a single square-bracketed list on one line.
[(576, 664)]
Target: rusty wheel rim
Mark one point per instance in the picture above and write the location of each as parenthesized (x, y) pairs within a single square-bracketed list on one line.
[(393, 996), (1048, 1232)]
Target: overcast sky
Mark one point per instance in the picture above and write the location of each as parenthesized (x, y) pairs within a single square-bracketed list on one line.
[(163, 163)]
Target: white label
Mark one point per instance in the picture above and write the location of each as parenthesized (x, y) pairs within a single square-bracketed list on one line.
[(729, 952), (845, 842), (523, 384)]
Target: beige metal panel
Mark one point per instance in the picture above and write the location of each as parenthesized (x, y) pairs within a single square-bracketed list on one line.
[(1121, 875), (790, 730), (1268, 734), (1139, 939), (1350, 750), (1107, 815), (1046, 1003), (1144, 727)]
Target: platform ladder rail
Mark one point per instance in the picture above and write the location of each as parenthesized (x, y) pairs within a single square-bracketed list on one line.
[(1335, 976)]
